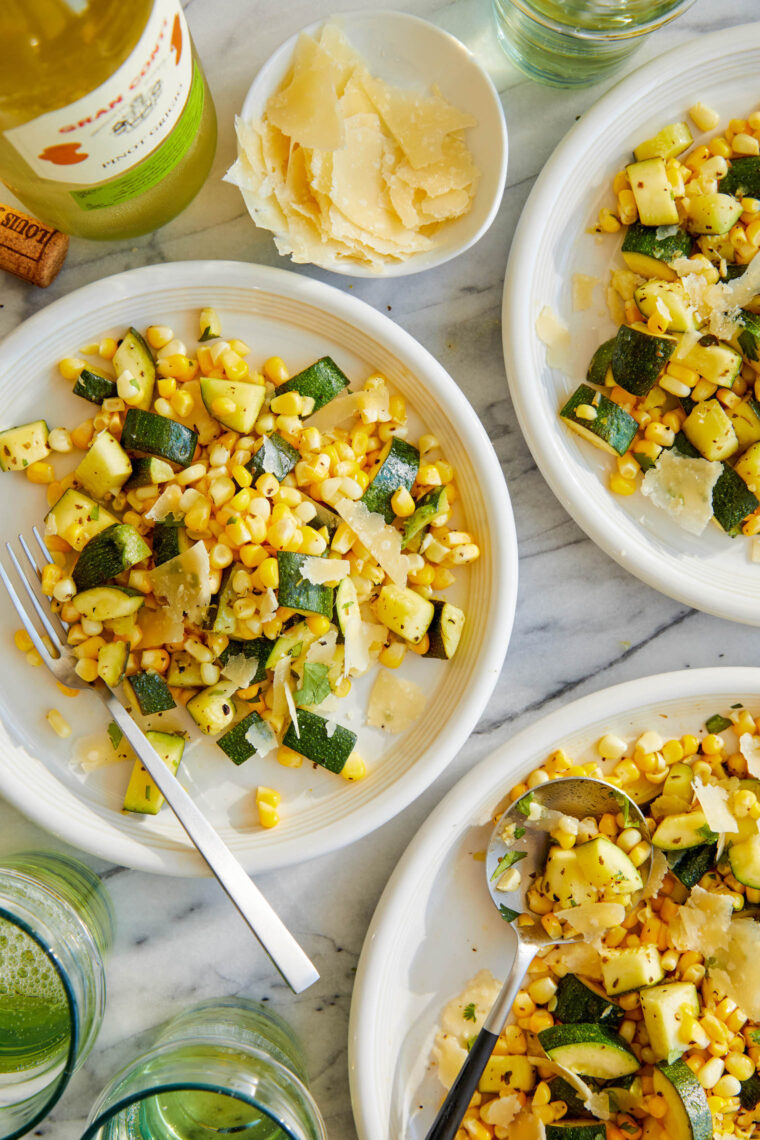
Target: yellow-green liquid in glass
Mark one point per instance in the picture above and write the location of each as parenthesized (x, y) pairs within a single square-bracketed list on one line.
[(197, 1114), (34, 1012)]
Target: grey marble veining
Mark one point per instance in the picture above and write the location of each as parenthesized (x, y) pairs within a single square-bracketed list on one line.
[(582, 622)]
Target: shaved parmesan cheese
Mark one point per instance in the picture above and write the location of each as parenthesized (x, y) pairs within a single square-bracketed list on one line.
[(749, 746), (269, 605), (687, 342), (291, 705), (527, 1127), (281, 683), (322, 651), (419, 123), (382, 541), (683, 487), (167, 503), (159, 628), (260, 736), (555, 334), (240, 669), (658, 871), (394, 703), (583, 291), (714, 803), (596, 1103), (592, 919), (501, 1111), (320, 570), (575, 958), (337, 411), (307, 109), (703, 921), (184, 584), (736, 969)]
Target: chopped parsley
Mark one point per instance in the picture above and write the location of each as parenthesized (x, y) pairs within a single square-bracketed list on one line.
[(625, 806), (717, 723), (115, 735), (315, 686), (506, 862), (519, 832), (468, 1013), (207, 335), (95, 513), (507, 913), (754, 1036), (707, 834), (523, 804)]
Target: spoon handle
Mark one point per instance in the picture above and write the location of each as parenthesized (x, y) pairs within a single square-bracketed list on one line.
[(457, 1100)]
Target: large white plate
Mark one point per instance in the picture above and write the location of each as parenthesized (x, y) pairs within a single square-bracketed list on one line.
[(712, 572), (435, 925), (281, 313)]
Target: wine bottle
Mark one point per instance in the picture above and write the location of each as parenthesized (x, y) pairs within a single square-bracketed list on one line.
[(107, 125)]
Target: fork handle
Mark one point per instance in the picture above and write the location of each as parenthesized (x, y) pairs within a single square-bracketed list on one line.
[(296, 968)]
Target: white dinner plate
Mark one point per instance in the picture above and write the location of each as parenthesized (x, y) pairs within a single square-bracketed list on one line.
[(277, 313), (712, 572), (436, 926)]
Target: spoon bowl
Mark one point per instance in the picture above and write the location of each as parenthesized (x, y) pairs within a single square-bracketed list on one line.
[(521, 838)]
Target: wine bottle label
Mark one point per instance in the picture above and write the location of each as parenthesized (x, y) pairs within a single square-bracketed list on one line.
[(149, 109)]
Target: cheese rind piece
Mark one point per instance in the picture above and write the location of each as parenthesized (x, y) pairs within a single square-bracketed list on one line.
[(683, 487)]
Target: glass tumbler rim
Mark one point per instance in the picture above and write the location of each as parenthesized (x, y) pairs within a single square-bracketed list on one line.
[(103, 1112), (677, 9), (58, 1089)]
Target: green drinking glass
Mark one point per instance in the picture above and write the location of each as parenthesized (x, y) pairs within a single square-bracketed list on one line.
[(226, 1067), (56, 926), (573, 43)]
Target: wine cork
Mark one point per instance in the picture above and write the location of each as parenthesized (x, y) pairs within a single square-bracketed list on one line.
[(30, 249)]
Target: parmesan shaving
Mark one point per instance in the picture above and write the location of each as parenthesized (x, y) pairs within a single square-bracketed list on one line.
[(502, 1111), (320, 570), (575, 958), (683, 487), (269, 605), (592, 919), (658, 871), (555, 334), (159, 628), (395, 703), (382, 541), (280, 682), (596, 1103), (583, 291), (240, 669), (749, 746), (322, 651), (167, 503), (292, 710), (714, 803), (260, 736), (184, 584), (703, 921)]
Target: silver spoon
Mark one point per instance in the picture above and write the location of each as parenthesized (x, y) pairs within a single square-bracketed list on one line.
[(577, 796)]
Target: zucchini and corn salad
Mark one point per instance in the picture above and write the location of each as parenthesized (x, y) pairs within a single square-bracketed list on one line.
[(648, 1027), (675, 394), (243, 543)]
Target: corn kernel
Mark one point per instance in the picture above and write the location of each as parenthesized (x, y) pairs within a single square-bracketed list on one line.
[(276, 370), (703, 117), (620, 485), (354, 768)]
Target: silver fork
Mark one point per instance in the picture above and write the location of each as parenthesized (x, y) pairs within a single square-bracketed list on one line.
[(296, 968)]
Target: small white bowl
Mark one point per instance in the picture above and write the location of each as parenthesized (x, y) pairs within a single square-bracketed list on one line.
[(409, 52)]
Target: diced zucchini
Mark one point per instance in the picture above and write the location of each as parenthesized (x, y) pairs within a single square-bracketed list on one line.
[(589, 1050), (600, 363), (563, 881), (104, 603), (607, 867), (744, 858), (638, 358), (21, 446), (76, 518), (688, 1115), (291, 643), (579, 1000), (745, 418), (713, 213), (433, 502), (398, 469), (743, 178), (717, 248), (247, 398), (133, 355), (347, 612), (295, 592), (213, 710), (677, 832), (105, 468), (220, 615), (325, 517), (647, 252), (94, 386), (653, 296), (151, 434), (710, 430), (405, 612), (445, 630), (108, 554), (748, 340), (653, 192), (748, 467), (235, 741), (642, 791), (112, 662), (678, 783), (749, 1094), (275, 457), (714, 360), (561, 1089), (613, 428), (733, 500), (632, 968), (147, 471), (692, 863), (150, 692), (169, 540), (142, 795), (257, 649), (515, 1071), (322, 381), (665, 1008), (576, 1130), (329, 749), (667, 143), (184, 672)]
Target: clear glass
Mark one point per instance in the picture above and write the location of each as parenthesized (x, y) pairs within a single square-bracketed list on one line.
[(53, 52), (573, 43), (227, 1066), (56, 925)]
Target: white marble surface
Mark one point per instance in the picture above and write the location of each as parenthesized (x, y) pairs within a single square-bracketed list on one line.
[(582, 622)]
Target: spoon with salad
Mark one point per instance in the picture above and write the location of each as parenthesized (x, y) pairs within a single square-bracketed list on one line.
[(554, 878)]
